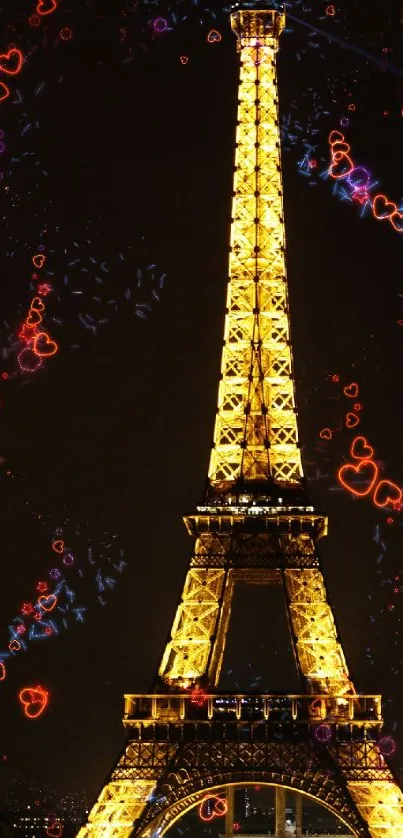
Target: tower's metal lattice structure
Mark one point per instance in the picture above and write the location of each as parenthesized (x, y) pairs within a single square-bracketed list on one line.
[(255, 526)]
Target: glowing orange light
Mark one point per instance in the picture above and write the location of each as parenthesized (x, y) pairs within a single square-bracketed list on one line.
[(351, 107), (351, 391), (58, 546), (357, 406), (47, 603), (183, 59), (335, 378), (360, 449), (331, 11), (382, 208), (43, 346), (325, 433), (4, 91), (387, 493), (396, 220), (336, 137), (11, 62), (352, 420), (366, 469), (33, 319), (37, 304), (14, 645), (39, 260), (46, 7), (219, 809), (214, 37), (337, 169), (33, 700), (2, 671)]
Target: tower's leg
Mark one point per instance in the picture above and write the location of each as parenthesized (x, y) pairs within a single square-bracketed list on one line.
[(229, 817), (298, 815), (280, 812)]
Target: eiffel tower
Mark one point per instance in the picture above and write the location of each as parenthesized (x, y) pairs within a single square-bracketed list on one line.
[(186, 739)]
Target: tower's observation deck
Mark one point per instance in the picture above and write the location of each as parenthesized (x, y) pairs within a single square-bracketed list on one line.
[(256, 434)]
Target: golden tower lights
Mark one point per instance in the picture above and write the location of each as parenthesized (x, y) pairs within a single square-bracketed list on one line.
[(254, 526)]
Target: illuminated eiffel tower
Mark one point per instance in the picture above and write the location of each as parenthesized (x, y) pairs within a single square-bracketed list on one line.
[(185, 739)]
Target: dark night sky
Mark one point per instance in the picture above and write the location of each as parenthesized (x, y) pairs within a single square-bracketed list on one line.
[(122, 428)]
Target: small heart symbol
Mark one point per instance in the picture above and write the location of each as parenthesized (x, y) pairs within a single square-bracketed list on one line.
[(11, 62), (4, 92), (14, 645), (33, 700), (387, 493), (336, 137), (28, 360), (366, 469), (360, 449), (47, 603), (33, 318), (46, 7), (2, 671), (382, 208), (39, 260), (183, 59), (341, 166), (43, 346), (54, 829), (396, 220), (37, 304), (352, 420), (214, 36), (351, 391), (340, 146), (58, 546), (325, 433)]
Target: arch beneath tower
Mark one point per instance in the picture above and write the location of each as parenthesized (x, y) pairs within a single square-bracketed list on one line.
[(185, 789)]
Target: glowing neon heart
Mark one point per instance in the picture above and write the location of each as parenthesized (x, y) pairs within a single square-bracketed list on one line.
[(37, 304), (352, 420), (2, 671), (387, 493), (43, 346), (47, 603), (33, 318), (214, 36), (341, 166), (360, 449), (325, 433), (14, 645), (396, 220), (58, 545), (336, 137), (351, 391), (39, 260), (41, 7), (34, 701), (11, 62), (340, 146), (4, 92), (366, 469), (219, 808), (382, 208)]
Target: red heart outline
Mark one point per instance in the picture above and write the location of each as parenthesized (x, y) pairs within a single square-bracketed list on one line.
[(6, 56), (361, 444), (397, 224), (39, 260), (325, 433), (2, 671), (352, 420), (41, 4), (351, 390), (336, 139), (220, 803), (389, 499), (31, 696), (46, 341), (354, 469), (214, 37), (33, 318), (386, 204), (43, 602), (37, 304), (4, 95), (336, 170)]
